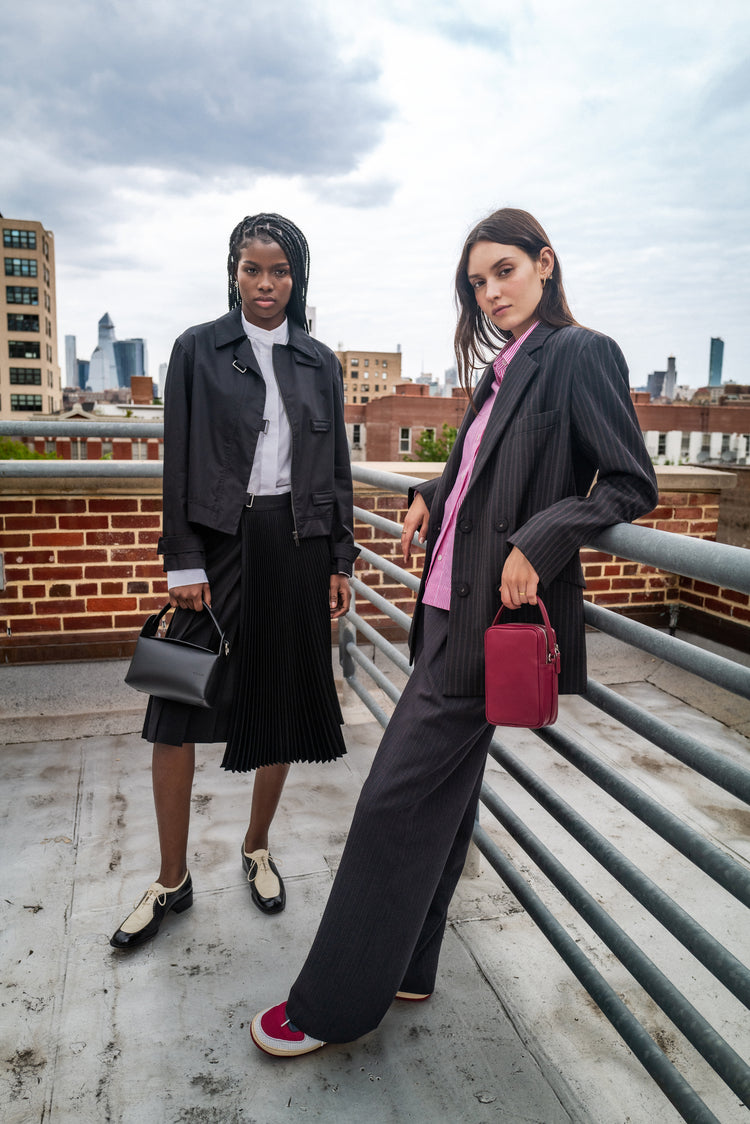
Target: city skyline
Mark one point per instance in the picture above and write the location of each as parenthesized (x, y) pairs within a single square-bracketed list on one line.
[(385, 134)]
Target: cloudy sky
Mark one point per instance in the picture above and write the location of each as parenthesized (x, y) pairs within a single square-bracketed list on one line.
[(140, 132)]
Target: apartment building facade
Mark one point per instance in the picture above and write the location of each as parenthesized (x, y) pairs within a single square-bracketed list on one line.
[(370, 374), (29, 370)]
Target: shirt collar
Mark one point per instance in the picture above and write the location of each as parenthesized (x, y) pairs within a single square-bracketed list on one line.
[(265, 337), (501, 361)]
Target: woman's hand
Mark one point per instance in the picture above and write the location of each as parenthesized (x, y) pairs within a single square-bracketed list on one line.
[(340, 595), (417, 518), (519, 582), (190, 596)]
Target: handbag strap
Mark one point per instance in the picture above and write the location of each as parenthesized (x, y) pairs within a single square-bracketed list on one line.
[(208, 609), (549, 632)]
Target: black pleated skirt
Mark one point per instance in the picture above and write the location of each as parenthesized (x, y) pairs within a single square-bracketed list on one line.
[(277, 703)]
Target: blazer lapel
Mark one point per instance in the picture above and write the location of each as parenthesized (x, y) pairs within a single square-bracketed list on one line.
[(523, 368)]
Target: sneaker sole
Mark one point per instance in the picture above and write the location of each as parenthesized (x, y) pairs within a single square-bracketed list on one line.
[(295, 1052)]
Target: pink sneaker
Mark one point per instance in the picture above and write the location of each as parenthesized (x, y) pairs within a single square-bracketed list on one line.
[(272, 1033)]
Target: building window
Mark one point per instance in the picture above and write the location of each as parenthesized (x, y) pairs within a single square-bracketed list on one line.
[(47, 302), (21, 322), (377, 388), (20, 267), (45, 247), (49, 353), (428, 434), (384, 374), (46, 275), (662, 446), (354, 362), (385, 364), (404, 440), (20, 349), (725, 442), (366, 375), (26, 376), (21, 294), (79, 449), (705, 442), (377, 362), (357, 436), (354, 399), (20, 402), (20, 239), (685, 445), (365, 398), (367, 364)]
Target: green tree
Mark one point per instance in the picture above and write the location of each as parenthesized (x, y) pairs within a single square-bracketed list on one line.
[(11, 450), (433, 448)]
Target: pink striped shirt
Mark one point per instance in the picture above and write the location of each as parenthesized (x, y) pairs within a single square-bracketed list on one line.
[(438, 586)]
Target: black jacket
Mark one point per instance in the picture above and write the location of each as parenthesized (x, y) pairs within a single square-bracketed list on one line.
[(563, 415), (213, 413)]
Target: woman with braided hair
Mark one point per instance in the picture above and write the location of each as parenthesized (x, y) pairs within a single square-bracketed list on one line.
[(257, 524)]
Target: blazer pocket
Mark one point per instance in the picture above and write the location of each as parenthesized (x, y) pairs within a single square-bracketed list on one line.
[(530, 422), (320, 425), (322, 497)]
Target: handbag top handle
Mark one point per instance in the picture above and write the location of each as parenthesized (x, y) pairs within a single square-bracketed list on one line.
[(217, 626), (549, 632)]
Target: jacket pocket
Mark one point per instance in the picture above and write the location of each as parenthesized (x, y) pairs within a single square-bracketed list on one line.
[(320, 425), (322, 497), (529, 422)]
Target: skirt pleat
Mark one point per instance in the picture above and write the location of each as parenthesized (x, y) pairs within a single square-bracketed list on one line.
[(278, 702)]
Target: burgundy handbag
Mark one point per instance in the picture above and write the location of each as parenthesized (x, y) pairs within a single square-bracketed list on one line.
[(521, 665)]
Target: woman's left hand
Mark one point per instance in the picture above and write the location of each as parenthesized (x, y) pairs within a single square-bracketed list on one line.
[(340, 595), (519, 582)]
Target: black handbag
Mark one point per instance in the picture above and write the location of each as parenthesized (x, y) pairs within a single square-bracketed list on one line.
[(176, 669)]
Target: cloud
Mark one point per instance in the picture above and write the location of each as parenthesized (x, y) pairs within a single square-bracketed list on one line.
[(188, 88), (475, 23)]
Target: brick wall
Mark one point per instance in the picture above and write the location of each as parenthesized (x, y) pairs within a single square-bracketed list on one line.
[(81, 569)]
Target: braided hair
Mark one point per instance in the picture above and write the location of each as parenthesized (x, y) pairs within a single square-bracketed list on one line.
[(273, 228)]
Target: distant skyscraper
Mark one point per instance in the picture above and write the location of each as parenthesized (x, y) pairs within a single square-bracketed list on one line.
[(670, 379), (103, 368), (130, 357), (82, 366), (655, 383), (71, 365), (451, 376), (715, 361)]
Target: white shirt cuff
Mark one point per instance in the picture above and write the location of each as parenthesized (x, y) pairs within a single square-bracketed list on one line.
[(176, 578)]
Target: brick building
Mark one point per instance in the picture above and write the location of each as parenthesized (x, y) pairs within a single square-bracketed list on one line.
[(388, 428), (696, 434)]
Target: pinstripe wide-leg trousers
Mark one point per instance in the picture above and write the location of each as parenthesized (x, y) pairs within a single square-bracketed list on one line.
[(383, 925)]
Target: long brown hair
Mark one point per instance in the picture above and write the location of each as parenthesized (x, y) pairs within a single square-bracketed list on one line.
[(475, 332)]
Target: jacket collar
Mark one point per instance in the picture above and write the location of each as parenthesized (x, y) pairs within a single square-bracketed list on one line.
[(228, 330)]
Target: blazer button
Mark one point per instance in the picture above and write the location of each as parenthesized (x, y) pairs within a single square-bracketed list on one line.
[(501, 524), (462, 589), (465, 525)]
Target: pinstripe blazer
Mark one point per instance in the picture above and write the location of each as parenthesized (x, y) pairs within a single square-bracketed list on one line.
[(562, 416)]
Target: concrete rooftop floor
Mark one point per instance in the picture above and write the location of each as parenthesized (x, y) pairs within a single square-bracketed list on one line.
[(161, 1035)]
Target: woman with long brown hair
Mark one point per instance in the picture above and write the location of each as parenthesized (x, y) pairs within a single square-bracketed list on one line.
[(548, 455)]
